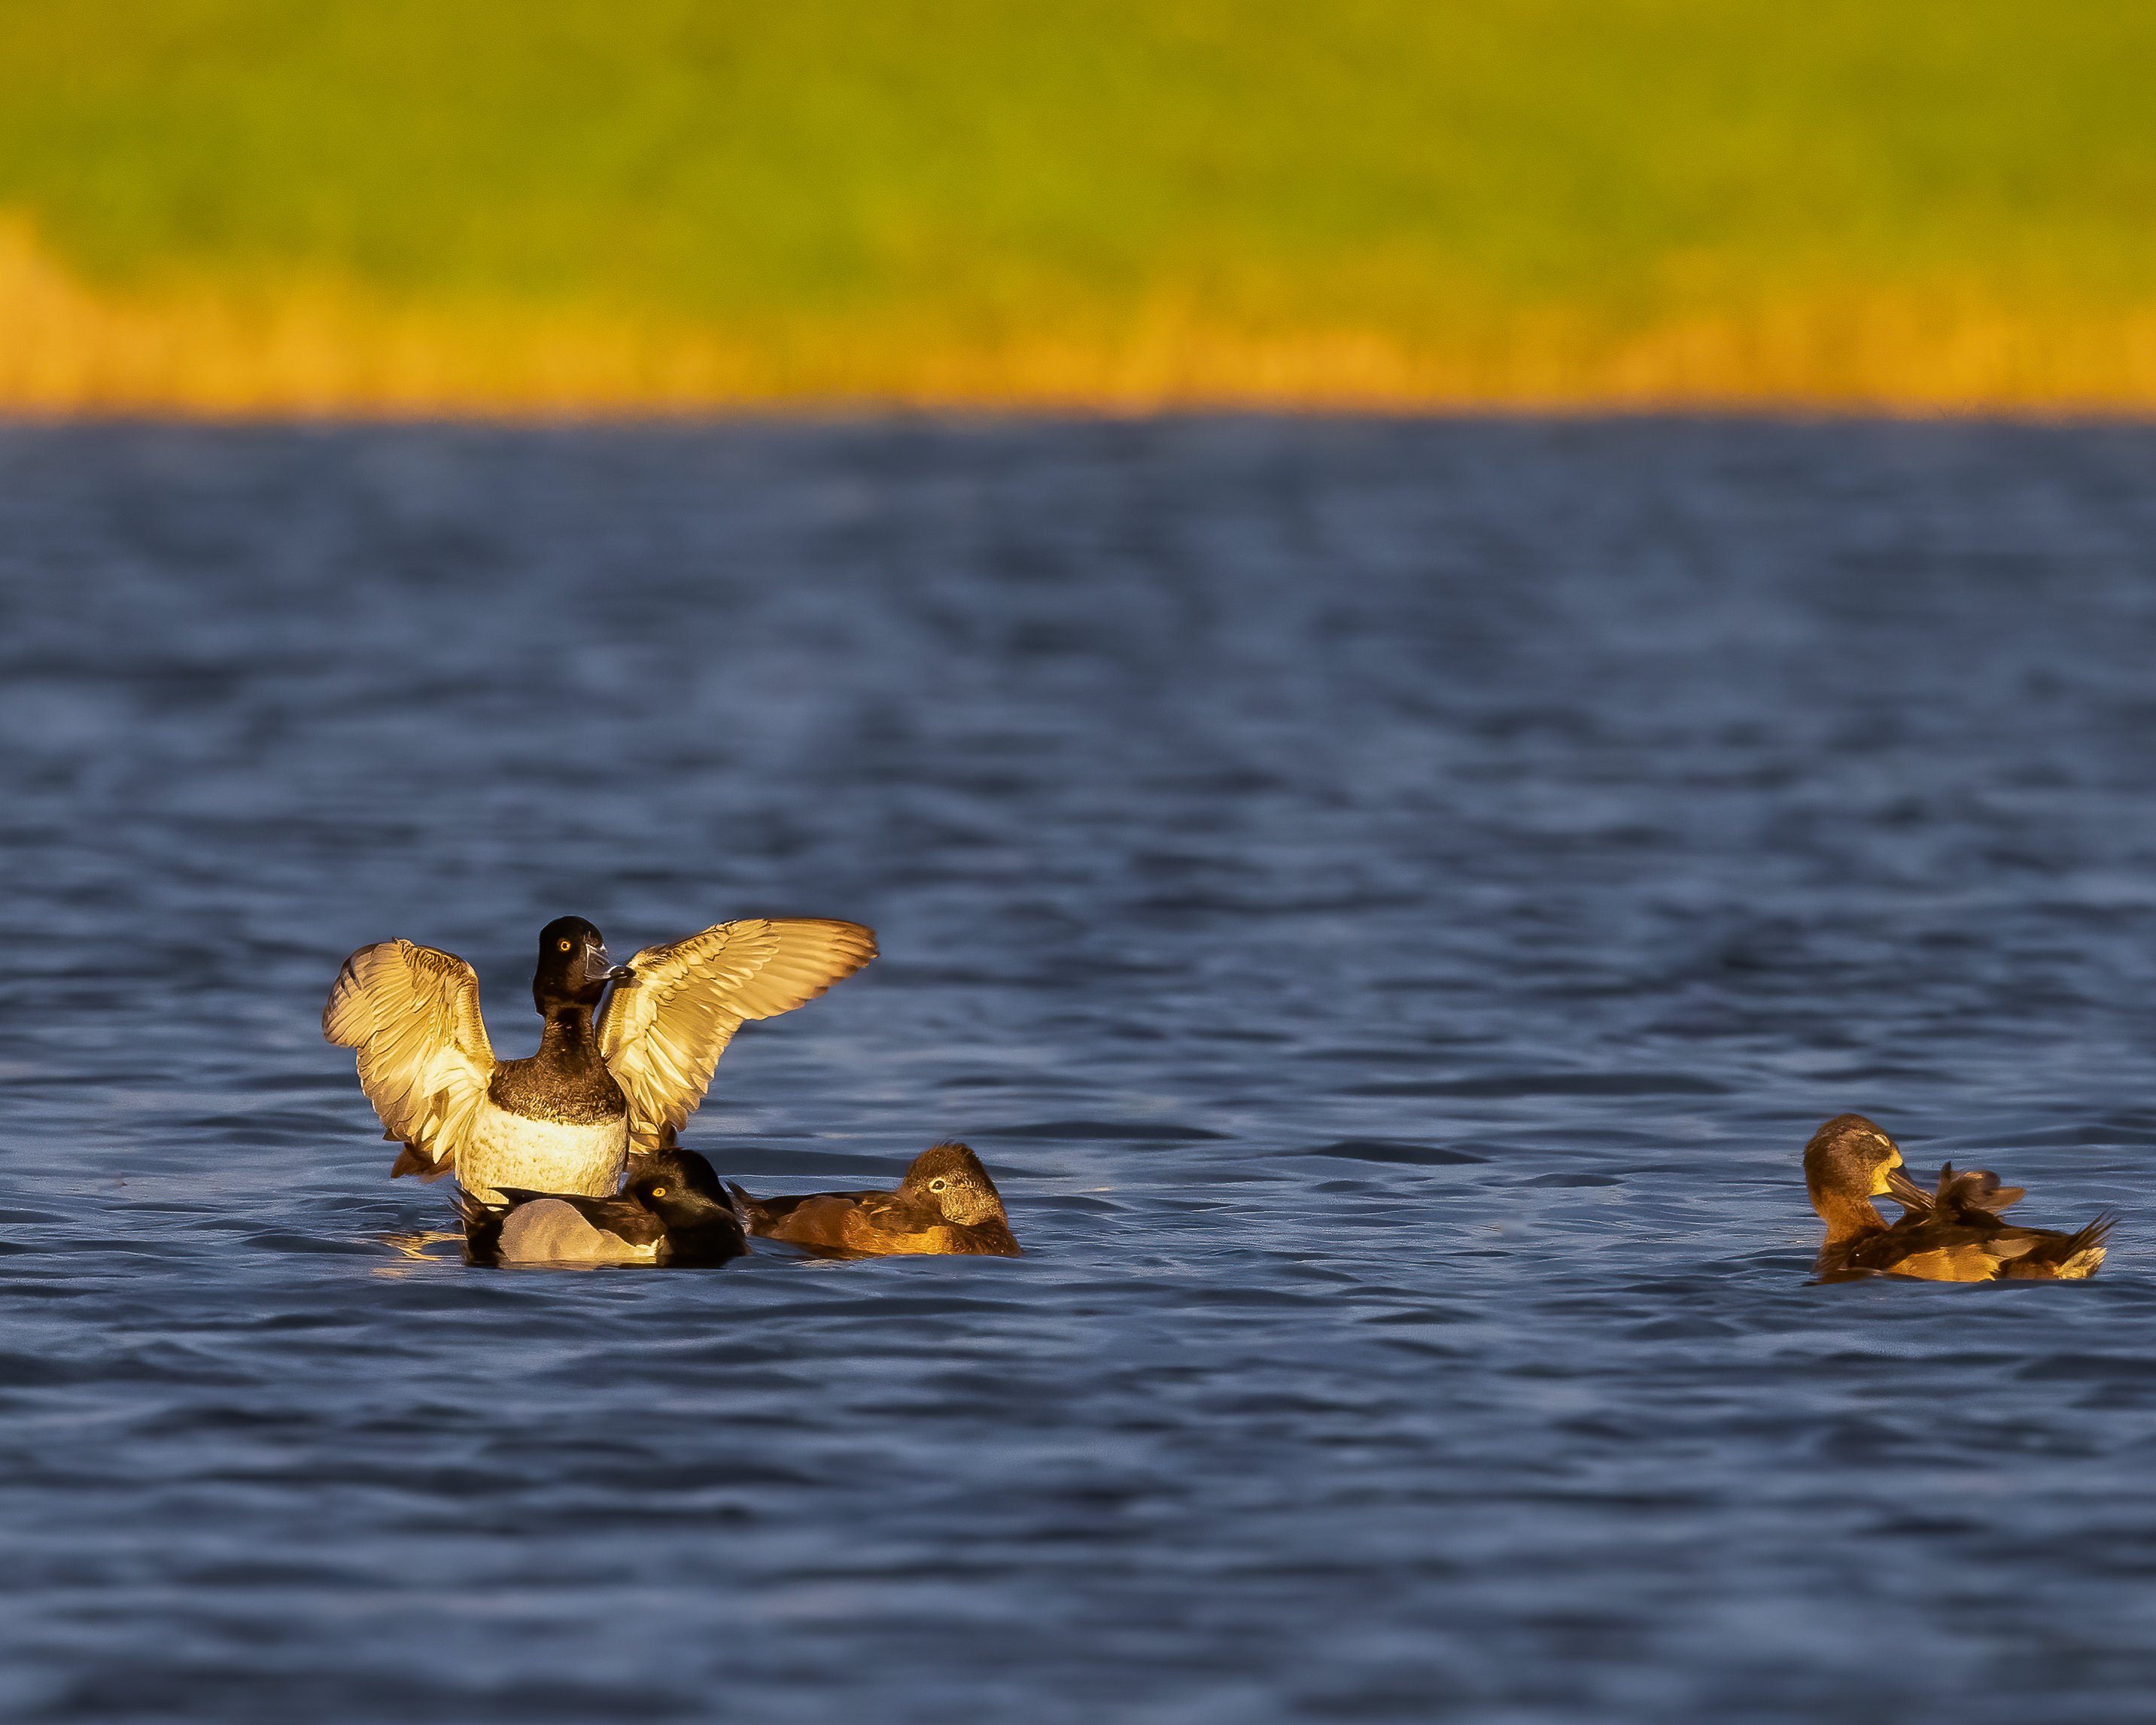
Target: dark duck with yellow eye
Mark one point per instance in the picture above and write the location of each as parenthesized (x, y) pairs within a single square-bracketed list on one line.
[(608, 1080), (946, 1203), (1954, 1233), (674, 1212)]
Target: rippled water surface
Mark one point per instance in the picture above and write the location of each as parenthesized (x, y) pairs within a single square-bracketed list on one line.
[(1388, 902)]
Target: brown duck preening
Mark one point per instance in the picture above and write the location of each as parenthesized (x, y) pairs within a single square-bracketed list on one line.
[(1954, 1233), (946, 1204)]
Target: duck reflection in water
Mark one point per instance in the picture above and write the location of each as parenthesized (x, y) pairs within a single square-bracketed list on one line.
[(1953, 1233)]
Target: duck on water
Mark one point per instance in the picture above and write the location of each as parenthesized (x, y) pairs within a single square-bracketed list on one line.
[(1954, 1233), (674, 1212), (608, 1079), (946, 1204)]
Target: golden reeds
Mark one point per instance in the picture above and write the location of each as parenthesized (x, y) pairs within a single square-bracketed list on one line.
[(325, 347)]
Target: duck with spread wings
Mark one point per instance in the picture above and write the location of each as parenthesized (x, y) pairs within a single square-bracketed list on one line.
[(607, 1081)]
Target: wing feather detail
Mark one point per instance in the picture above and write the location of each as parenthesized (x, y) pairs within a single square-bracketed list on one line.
[(661, 1033), (424, 1059)]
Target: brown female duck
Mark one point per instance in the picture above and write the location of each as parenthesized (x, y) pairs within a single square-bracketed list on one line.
[(946, 1202), (1954, 1233)]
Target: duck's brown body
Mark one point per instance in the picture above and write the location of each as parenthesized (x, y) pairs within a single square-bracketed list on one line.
[(1952, 1251), (946, 1204), (1953, 1234)]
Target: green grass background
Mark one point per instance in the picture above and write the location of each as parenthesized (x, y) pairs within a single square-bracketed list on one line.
[(1346, 163)]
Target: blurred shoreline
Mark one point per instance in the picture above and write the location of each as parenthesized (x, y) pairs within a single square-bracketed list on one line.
[(324, 347)]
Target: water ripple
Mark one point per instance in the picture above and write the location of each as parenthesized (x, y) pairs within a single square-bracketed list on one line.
[(1387, 901)]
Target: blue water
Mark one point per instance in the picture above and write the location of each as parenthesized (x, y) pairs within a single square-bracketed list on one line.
[(1389, 901)]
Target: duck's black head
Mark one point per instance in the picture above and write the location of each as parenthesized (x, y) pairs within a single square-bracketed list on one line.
[(1847, 1162), (681, 1189), (951, 1176), (573, 966)]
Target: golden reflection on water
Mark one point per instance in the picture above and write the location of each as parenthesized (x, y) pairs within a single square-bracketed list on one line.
[(422, 1245)]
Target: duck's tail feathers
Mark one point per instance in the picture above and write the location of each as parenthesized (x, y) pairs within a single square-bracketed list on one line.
[(750, 1214), (2062, 1257), (477, 1212), (482, 1227), (2083, 1251)]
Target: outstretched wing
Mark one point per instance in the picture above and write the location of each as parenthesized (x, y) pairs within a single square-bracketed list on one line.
[(663, 1029), (424, 1060)]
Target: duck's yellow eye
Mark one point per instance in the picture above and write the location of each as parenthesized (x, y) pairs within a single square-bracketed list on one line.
[(563, 945), (658, 1192), (938, 1185)]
